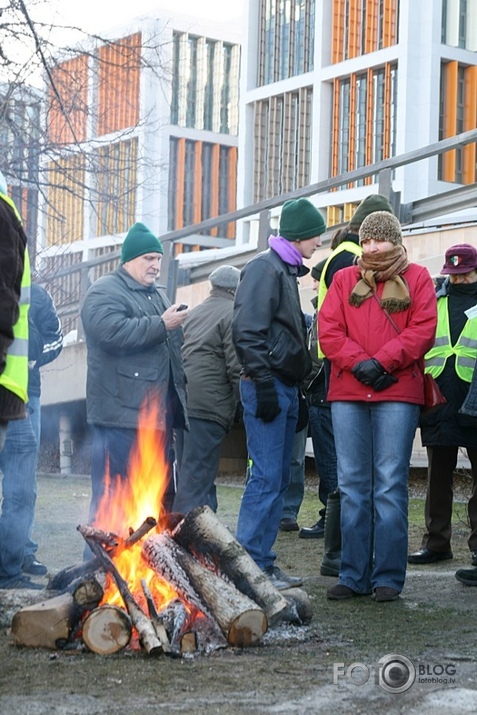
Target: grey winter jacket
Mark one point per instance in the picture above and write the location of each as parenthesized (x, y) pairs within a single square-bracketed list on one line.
[(210, 361), (131, 355)]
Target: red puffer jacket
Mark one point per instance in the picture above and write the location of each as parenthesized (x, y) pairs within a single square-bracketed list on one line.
[(349, 335)]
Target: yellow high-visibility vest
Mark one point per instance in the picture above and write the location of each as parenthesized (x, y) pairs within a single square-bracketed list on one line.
[(465, 349), (349, 246), (15, 375)]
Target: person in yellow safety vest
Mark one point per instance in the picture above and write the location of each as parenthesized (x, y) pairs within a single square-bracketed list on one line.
[(451, 362), (14, 304), (348, 249)]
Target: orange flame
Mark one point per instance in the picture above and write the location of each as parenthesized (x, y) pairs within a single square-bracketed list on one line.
[(126, 503)]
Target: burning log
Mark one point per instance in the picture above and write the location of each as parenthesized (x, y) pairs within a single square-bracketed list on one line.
[(156, 620), (63, 579), (143, 625), (240, 619), (204, 535), (86, 593), (107, 630), (165, 565)]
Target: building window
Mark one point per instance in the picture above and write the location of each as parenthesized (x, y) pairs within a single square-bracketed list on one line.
[(191, 100), (202, 184), (282, 143), (457, 114), (116, 187), (459, 24), (362, 26), (209, 86), (286, 39), (205, 79), (364, 119)]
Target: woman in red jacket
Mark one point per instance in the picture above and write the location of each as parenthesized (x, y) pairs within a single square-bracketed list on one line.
[(376, 323)]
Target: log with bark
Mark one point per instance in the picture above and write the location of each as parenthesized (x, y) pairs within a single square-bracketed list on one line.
[(205, 536), (141, 622), (62, 580), (240, 619), (52, 623)]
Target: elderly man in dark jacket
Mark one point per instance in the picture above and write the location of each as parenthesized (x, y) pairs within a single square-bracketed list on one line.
[(134, 340), (212, 370), (269, 334)]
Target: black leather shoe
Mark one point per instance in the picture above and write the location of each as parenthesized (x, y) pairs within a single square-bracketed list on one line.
[(474, 558), (317, 531), (428, 556), (288, 524), (467, 576), (33, 567)]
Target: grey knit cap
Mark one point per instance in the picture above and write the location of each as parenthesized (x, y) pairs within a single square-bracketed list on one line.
[(382, 226), (226, 277)]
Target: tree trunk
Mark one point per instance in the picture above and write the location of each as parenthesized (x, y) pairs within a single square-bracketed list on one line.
[(203, 534)]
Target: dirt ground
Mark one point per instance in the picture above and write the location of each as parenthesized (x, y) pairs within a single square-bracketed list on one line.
[(333, 663)]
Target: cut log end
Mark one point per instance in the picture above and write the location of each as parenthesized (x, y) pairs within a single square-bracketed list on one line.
[(247, 629), (107, 630)]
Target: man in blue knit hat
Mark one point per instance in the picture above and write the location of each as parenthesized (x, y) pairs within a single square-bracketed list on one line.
[(134, 340), (270, 337)]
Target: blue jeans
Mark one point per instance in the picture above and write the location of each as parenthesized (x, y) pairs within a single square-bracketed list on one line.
[(18, 461), (269, 447), (324, 450), (296, 489), (374, 444)]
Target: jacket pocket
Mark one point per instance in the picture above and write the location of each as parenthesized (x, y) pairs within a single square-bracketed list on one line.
[(134, 382)]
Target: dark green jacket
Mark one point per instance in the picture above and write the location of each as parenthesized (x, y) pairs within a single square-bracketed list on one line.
[(131, 355)]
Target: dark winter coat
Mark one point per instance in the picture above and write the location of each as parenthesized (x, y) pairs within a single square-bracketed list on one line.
[(447, 426), (131, 355), (210, 361), (269, 329), (45, 339), (13, 242), (350, 335)]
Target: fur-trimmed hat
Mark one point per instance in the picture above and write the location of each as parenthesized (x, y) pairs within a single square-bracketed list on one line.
[(382, 226), (139, 241), (300, 220), (226, 277), (372, 203)]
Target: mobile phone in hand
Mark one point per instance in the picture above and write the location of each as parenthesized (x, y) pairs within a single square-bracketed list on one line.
[(182, 306)]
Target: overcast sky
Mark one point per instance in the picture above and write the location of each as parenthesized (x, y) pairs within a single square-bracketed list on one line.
[(91, 15)]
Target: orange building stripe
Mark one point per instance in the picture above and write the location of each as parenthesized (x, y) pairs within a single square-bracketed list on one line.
[(470, 122), (232, 189), (197, 189), (337, 31), (214, 192), (179, 217), (450, 118)]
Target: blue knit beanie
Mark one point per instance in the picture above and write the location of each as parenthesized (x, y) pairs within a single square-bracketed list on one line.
[(139, 241)]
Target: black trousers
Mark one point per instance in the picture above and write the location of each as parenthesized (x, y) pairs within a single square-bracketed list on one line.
[(438, 508)]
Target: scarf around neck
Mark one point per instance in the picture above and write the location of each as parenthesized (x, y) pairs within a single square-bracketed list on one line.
[(384, 268), (286, 250)]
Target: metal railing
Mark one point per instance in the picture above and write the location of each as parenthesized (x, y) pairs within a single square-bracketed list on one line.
[(455, 199)]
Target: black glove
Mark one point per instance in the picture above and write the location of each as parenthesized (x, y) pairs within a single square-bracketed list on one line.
[(267, 401), (303, 414), (371, 372)]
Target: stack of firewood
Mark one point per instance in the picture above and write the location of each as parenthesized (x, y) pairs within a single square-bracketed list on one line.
[(222, 597)]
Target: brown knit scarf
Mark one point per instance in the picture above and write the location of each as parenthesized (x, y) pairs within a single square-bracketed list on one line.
[(384, 268)]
